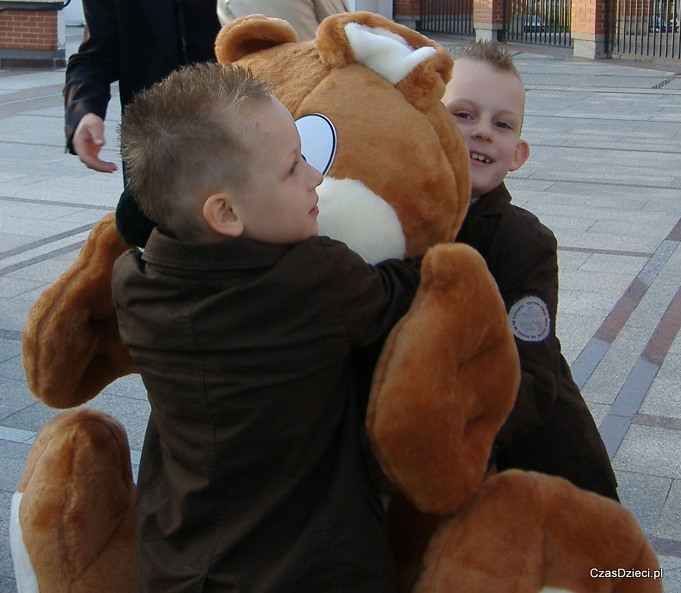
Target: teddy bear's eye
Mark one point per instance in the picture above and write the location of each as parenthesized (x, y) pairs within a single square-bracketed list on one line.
[(317, 140)]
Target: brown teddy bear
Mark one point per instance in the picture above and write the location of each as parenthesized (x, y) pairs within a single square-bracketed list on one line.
[(396, 186)]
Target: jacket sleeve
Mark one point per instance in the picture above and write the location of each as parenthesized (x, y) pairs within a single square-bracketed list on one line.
[(93, 68), (528, 282), (371, 299)]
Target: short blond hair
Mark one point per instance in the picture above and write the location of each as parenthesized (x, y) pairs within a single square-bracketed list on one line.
[(494, 54), (490, 52), (183, 139)]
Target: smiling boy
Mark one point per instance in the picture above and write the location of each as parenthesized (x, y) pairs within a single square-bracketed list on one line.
[(241, 321), (550, 428), (487, 101)]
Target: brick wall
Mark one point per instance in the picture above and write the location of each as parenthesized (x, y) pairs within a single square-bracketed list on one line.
[(28, 30), (406, 7), (588, 17), (32, 38), (488, 11)]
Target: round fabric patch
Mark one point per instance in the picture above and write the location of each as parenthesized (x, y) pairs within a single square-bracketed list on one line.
[(530, 319)]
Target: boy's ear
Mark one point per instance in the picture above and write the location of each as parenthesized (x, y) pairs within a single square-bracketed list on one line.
[(221, 216), (522, 153)]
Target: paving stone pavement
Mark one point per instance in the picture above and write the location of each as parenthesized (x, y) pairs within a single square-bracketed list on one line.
[(604, 174)]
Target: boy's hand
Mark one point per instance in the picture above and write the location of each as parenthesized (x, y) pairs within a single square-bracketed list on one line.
[(88, 140)]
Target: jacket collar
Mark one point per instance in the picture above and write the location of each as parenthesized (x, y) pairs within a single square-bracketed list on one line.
[(187, 258), (491, 203)]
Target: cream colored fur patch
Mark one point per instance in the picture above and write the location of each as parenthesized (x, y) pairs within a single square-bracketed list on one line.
[(23, 571), (385, 52), (350, 212)]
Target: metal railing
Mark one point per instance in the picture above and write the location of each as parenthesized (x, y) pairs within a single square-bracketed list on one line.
[(526, 21), (649, 28), (538, 21), (452, 17)]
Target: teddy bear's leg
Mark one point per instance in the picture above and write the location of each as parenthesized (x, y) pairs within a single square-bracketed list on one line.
[(529, 532), (75, 507), (71, 345), (588, 537), (446, 380), (494, 543)]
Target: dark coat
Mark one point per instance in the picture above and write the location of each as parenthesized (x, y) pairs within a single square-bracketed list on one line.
[(253, 477), (134, 42), (550, 428), (137, 43)]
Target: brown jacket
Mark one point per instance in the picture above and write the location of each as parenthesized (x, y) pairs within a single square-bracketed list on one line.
[(550, 428), (252, 476)]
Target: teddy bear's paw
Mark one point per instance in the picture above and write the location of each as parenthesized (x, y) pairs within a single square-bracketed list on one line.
[(446, 380), (74, 522), (530, 532), (71, 345)]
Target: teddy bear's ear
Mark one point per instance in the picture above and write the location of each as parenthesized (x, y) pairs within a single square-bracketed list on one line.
[(418, 67), (250, 34)]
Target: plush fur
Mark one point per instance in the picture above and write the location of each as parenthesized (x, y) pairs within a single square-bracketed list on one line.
[(71, 345), (397, 139), (445, 380), (525, 531), (76, 506), (435, 407)]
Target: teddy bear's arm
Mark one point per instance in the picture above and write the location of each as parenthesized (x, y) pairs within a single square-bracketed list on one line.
[(71, 345), (446, 379)]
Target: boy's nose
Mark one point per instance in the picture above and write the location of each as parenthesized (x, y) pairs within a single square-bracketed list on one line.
[(482, 130), (317, 177)]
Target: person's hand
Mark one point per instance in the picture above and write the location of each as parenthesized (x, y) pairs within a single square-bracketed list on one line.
[(88, 140)]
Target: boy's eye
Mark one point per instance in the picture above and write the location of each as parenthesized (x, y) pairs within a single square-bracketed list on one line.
[(462, 115), (292, 170)]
